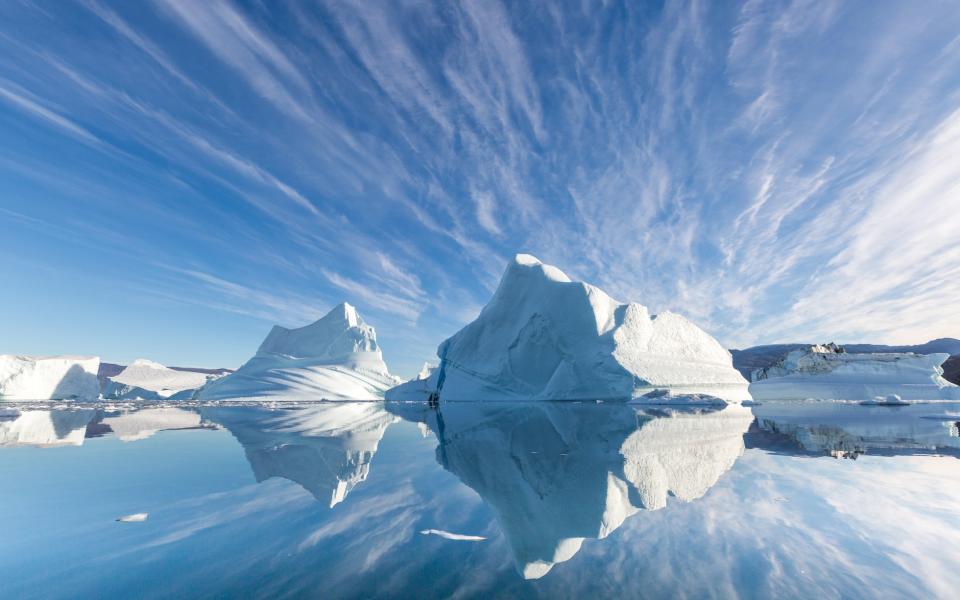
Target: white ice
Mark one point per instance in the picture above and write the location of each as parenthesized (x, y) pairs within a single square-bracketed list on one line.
[(49, 377), (819, 373), (335, 358), (148, 380), (545, 337)]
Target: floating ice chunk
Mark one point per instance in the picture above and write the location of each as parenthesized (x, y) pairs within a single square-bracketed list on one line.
[(821, 372), (453, 536), (545, 337), (134, 518), (335, 358), (49, 377)]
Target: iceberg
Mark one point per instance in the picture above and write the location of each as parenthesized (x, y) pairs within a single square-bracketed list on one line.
[(545, 337), (49, 377), (828, 372), (148, 380), (335, 358), (46, 428), (326, 449), (556, 474)]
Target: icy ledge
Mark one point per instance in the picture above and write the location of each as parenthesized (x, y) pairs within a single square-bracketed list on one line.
[(545, 337)]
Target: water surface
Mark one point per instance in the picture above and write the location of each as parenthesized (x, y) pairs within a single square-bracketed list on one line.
[(527, 500)]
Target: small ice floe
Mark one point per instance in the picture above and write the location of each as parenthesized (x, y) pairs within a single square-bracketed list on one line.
[(891, 400), (134, 518), (453, 536)]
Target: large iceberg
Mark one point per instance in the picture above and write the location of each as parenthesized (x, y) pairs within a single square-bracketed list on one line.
[(545, 337), (556, 474), (826, 371), (326, 448), (148, 380), (49, 377), (335, 358)]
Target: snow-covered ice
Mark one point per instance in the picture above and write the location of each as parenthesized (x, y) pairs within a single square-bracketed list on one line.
[(827, 372), (335, 358), (545, 337), (48, 377), (556, 474), (147, 380), (326, 448)]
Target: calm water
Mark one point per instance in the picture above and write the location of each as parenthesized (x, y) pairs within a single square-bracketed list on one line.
[(534, 500)]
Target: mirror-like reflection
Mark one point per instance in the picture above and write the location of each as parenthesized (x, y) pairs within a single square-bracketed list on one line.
[(478, 500), (326, 448), (845, 430), (558, 473)]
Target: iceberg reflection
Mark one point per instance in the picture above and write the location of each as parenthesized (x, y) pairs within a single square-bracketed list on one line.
[(326, 448), (849, 430), (556, 473)]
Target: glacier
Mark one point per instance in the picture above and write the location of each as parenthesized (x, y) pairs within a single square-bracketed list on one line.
[(826, 371), (326, 448), (334, 358), (49, 377), (556, 474), (545, 337), (148, 380)]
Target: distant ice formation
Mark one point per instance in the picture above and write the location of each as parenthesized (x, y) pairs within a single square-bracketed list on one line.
[(828, 372), (49, 377), (335, 358), (545, 337), (148, 380), (556, 474), (326, 448)]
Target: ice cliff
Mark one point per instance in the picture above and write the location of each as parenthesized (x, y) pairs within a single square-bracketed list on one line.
[(828, 372), (148, 380), (48, 377), (326, 448), (545, 337), (556, 474), (335, 358)]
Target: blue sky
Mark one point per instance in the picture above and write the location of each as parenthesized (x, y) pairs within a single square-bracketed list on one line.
[(176, 176)]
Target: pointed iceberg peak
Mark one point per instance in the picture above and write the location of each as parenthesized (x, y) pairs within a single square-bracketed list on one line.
[(338, 334), (347, 312), (334, 358), (524, 264)]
